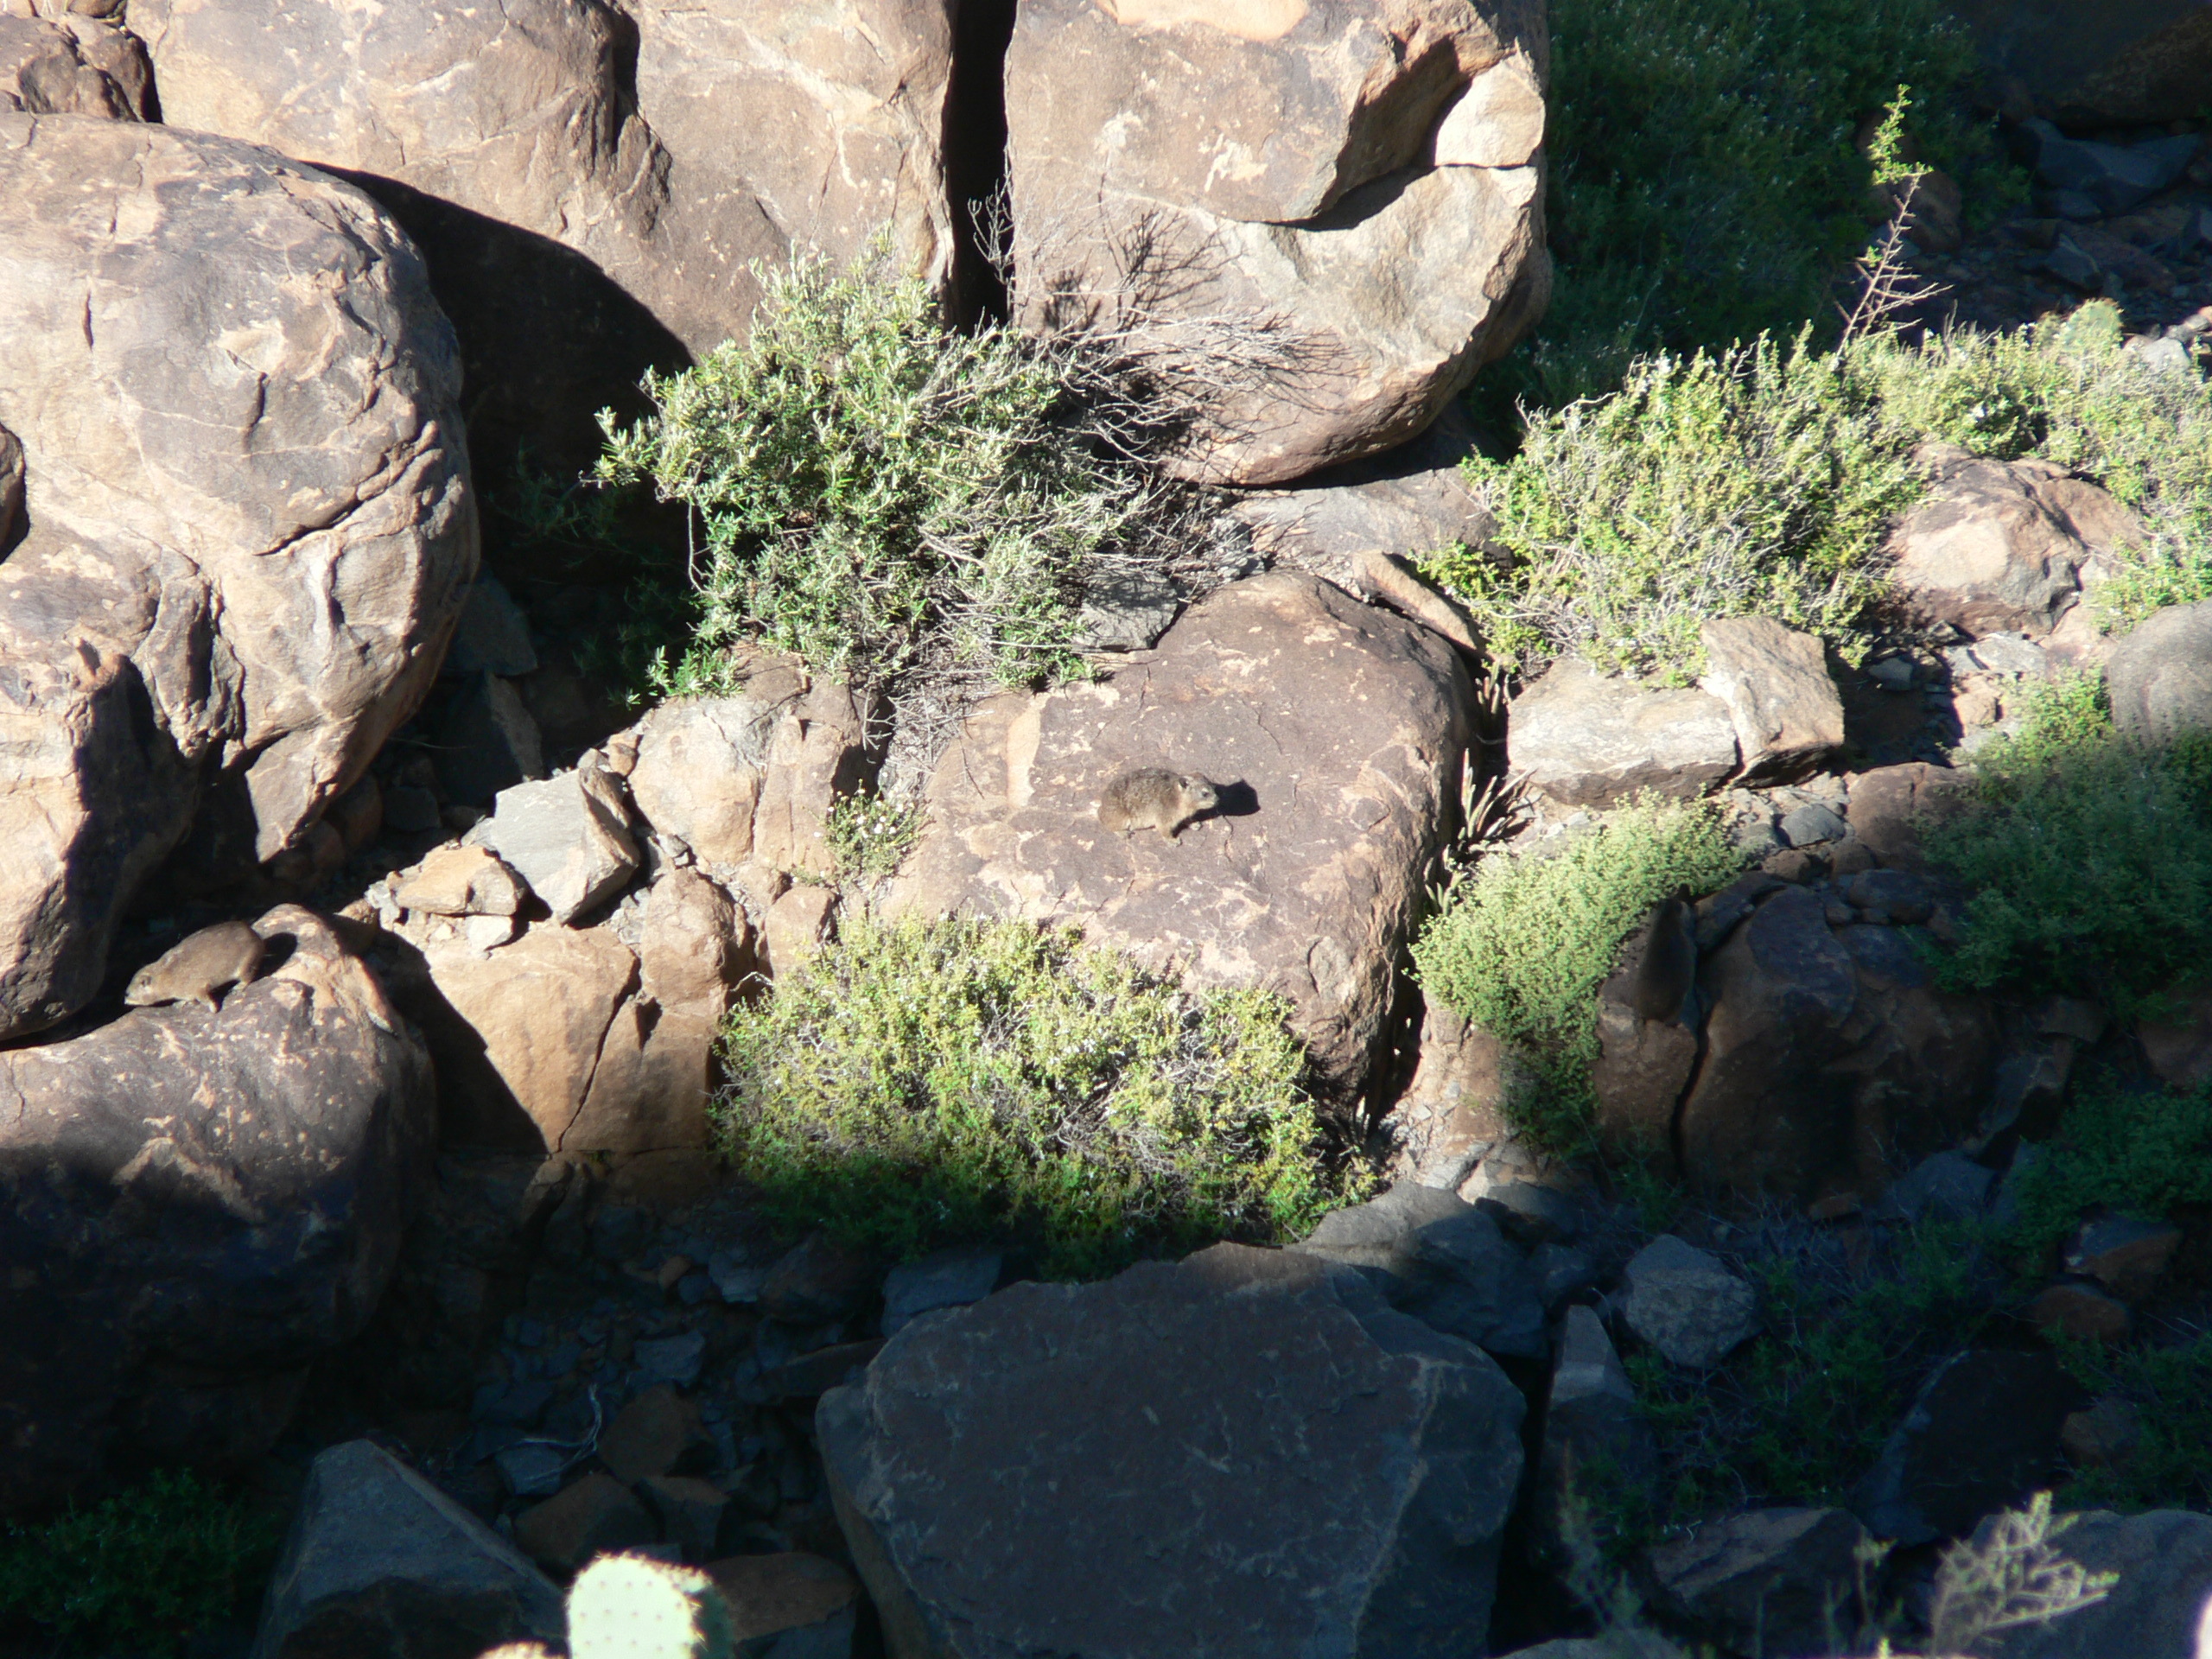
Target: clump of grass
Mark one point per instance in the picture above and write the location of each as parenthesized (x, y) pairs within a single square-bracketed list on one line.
[(2145, 1152), (2087, 858), (1521, 947), (1763, 479), (1705, 183), (140, 1570), (1798, 1414), (2170, 1464), (879, 493), (920, 1083)]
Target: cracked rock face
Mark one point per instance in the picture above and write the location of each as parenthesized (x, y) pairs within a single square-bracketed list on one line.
[(194, 1206), (1365, 178), (1244, 1452), (601, 176), (1335, 733), (246, 527)]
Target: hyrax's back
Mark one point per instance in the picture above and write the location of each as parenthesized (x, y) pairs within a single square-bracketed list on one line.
[(214, 959), (1151, 797)]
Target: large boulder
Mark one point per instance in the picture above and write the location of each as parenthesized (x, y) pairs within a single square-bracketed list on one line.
[(1587, 739), (2163, 1564), (1336, 734), (1356, 189), (72, 65), (2161, 674), (195, 1206), (586, 176), (1981, 1435), (2126, 64), (249, 525), (382, 1565), (1245, 1452)]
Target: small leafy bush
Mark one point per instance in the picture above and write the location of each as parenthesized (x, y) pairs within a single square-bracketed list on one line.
[(2170, 1466), (1761, 478), (1797, 1414), (2087, 859), (1706, 187), (2144, 1151), (918, 1083), (878, 493), (143, 1569), (869, 835), (1521, 947)]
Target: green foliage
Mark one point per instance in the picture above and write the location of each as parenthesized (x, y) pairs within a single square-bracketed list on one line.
[(2142, 1151), (1521, 947), (1756, 482), (870, 836), (2013, 1577), (1761, 480), (920, 1083), (1705, 183), (1796, 1415), (2088, 858), (878, 493), (143, 1569), (2170, 1465)]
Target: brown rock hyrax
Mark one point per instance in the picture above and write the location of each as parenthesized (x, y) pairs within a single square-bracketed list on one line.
[(213, 960), (1669, 958), (1151, 798)]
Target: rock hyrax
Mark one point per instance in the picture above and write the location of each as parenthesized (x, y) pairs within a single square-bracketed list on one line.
[(1669, 958), (1151, 798), (211, 961)]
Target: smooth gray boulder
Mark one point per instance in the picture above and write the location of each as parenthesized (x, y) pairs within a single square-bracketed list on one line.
[(382, 1565), (1444, 1261), (1247, 1452), (2161, 674)]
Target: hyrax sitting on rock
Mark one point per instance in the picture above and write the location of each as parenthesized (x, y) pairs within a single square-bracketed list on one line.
[(1151, 798), (214, 959), (1669, 959)]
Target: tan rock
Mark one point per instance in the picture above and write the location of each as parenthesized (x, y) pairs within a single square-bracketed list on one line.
[(1365, 177), (1788, 712), (460, 881), (798, 923), (697, 774), (820, 749), (1336, 732), (254, 535), (1588, 740), (72, 65), (1452, 1111), (693, 946)]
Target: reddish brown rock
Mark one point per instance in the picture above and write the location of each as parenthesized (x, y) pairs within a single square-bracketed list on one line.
[(595, 1517), (1452, 1111), (1336, 734), (656, 1434), (71, 65), (2081, 1311), (1891, 805)]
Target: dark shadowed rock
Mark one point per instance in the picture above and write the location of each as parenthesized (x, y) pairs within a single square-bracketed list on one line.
[(1452, 1110), (382, 1565), (2163, 1564), (1245, 1452), (1336, 734), (944, 1278), (1982, 1434), (1442, 1261), (1772, 1582), (788, 1606), (72, 65), (1597, 1446), (2125, 65), (1365, 177), (1687, 1304), (248, 522), (1891, 805), (193, 1207)]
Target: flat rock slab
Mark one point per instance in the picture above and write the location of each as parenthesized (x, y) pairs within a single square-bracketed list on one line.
[(1336, 734), (1788, 712), (1588, 740), (381, 1565), (196, 1206), (1247, 1452)]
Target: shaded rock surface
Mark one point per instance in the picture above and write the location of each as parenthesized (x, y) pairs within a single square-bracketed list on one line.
[(249, 523), (71, 64), (1780, 1582), (1686, 1303), (2161, 674), (1247, 1451), (2124, 65), (1336, 732), (382, 1565), (193, 1207), (1369, 186)]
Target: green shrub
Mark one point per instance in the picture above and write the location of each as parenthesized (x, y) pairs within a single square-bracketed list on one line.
[(919, 1084), (1705, 185), (870, 835), (878, 493), (1761, 480), (143, 1569), (2087, 858), (2170, 1466), (1521, 946), (1797, 1414), (2143, 1151)]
